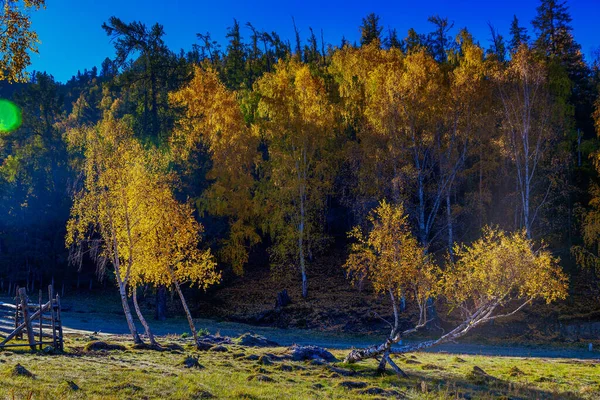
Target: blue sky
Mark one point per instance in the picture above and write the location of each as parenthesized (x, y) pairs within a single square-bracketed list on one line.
[(72, 38)]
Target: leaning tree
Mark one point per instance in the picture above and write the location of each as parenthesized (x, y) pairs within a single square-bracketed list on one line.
[(494, 277)]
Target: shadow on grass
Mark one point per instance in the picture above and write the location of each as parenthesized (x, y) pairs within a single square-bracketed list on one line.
[(475, 384)]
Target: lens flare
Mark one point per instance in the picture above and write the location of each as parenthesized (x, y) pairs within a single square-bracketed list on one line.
[(10, 116)]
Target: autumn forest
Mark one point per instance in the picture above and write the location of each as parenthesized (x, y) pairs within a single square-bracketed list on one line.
[(453, 180)]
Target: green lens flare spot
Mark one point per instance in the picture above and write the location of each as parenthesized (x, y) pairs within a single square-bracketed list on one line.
[(10, 116)]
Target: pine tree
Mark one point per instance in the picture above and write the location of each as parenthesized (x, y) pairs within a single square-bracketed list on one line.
[(555, 38), (235, 60), (146, 77), (439, 41), (518, 36), (414, 41), (370, 30), (498, 46), (392, 41), (311, 50)]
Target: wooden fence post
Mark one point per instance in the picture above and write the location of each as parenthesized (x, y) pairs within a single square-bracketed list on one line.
[(17, 308), (59, 318), (41, 320), (53, 319), (25, 312)]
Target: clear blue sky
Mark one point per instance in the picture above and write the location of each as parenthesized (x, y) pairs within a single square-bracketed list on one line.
[(72, 38)]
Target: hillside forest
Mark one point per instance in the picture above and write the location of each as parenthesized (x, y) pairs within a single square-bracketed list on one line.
[(433, 170)]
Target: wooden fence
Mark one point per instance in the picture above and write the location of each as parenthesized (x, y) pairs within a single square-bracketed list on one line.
[(40, 322)]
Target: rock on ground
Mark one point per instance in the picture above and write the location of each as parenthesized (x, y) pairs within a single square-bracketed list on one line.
[(207, 342), (100, 345), (191, 362), (19, 370), (301, 353), (250, 340)]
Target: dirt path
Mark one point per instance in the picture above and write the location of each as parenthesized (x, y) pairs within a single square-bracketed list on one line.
[(114, 324)]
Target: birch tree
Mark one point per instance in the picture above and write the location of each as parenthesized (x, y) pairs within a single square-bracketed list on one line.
[(106, 207), (495, 277), (172, 256), (404, 109), (390, 257), (297, 123), (464, 121), (413, 122), (127, 209), (528, 129)]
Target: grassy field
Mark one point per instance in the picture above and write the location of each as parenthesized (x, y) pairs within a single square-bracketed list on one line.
[(237, 374)]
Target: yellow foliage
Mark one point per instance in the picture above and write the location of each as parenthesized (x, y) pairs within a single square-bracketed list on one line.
[(126, 202), (213, 118), (298, 126), (499, 268), (390, 257)]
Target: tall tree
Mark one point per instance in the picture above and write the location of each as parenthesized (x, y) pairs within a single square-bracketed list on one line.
[(552, 25), (498, 46), (439, 40), (235, 59), (528, 129), (463, 124), (518, 36), (370, 30), (172, 256), (213, 120), (125, 214), (414, 41), (150, 71), (109, 205), (298, 124), (392, 41)]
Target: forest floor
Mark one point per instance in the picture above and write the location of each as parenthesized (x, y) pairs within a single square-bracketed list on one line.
[(239, 372)]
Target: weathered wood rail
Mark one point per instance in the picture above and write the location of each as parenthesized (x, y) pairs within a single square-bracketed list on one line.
[(40, 322)]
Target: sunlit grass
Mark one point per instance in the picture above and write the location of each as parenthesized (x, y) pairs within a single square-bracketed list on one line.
[(148, 374)]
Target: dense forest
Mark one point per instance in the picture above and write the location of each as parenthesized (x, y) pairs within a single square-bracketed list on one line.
[(177, 169)]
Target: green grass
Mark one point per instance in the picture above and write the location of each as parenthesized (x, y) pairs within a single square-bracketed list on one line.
[(149, 374)]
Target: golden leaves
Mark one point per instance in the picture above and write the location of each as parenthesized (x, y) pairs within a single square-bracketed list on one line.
[(127, 202), (16, 39), (497, 268), (501, 267), (389, 256), (297, 122), (213, 118)]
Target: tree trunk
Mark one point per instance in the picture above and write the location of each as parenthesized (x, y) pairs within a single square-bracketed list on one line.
[(382, 363), (301, 247), (372, 351), (449, 225), (127, 310), (188, 314), (304, 284), (422, 229), (138, 311), (526, 213), (161, 303)]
